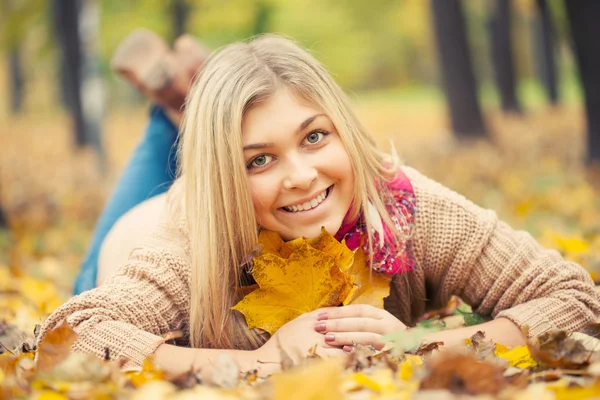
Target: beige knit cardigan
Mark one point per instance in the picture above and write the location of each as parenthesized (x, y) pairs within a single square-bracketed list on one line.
[(459, 249)]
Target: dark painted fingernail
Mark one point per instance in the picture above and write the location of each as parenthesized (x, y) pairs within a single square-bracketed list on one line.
[(330, 337), (320, 327), (322, 316)]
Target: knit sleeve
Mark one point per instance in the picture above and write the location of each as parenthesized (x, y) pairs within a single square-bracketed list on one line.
[(126, 316), (466, 251)]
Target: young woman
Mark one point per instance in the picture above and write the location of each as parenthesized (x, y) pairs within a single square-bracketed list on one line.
[(271, 142)]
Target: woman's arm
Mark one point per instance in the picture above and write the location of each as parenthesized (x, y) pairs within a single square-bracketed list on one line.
[(466, 251), (129, 314), (499, 330), (178, 360)]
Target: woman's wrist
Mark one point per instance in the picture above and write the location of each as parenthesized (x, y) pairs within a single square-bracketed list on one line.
[(178, 360), (499, 330)]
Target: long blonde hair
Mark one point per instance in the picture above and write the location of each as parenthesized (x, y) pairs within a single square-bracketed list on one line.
[(220, 214)]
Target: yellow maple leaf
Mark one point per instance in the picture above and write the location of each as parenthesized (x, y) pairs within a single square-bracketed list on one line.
[(303, 275), (273, 244), (289, 287), (369, 287)]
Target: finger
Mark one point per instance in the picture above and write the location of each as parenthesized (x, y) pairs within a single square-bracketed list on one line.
[(353, 310), (351, 325), (354, 338)]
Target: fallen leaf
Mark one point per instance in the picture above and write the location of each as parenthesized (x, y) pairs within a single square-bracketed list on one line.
[(556, 349), (289, 287), (318, 380), (518, 356), (149, 372), (407, 368), (409, 340), (428, 348), (369, 287), (273, 244), (463, 374), (379, 381), (483, 348), (55, 346)]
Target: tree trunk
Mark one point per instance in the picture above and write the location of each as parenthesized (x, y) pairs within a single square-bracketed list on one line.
[(261, 18), (3, 219), (92, 92), (66, 15), (16, 80), (502, 56), (585, 31), (457, 72), (180, 10), (543, 40)]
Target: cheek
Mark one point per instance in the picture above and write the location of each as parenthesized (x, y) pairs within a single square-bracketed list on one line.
[(339, 162), (263, 196)]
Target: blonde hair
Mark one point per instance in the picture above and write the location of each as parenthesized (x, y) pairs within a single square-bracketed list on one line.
[(220, 214)]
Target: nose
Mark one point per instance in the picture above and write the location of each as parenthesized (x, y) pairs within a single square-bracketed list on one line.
[(300, 174)]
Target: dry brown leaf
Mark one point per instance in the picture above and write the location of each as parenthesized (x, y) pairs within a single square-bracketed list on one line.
[(55, 347), (556, 349), (428, 348), (483, 348), (464, 374)]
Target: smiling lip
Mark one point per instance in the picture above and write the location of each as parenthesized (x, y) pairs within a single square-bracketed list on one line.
[(307, 201)]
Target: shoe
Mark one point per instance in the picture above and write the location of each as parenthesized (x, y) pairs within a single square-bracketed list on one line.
[(145, 60)]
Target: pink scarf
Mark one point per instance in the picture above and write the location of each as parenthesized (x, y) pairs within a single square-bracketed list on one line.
[(391, 256)]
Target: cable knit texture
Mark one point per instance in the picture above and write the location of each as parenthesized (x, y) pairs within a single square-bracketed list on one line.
[(459, 249)]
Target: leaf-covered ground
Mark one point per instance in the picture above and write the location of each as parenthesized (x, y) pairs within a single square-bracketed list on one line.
[(532, 176)]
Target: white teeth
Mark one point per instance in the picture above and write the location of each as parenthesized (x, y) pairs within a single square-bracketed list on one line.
[(308, 205)]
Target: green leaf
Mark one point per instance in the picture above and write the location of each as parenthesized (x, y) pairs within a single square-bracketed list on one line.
[(409, 340)]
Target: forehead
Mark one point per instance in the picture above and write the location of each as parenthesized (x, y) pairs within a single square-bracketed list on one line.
[(285, 110)]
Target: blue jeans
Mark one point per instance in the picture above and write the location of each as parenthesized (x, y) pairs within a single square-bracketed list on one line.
[(150, 172)]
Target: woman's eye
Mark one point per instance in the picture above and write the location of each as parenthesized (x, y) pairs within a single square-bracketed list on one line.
[(259, 161), (315, 137)]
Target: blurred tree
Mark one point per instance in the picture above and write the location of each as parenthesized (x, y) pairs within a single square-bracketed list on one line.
[(3, 219), (17, 18), (261, 21), (502, 55), (544, 44), (16, 80), (457, 72), (180, 10), (583, 23), (76, 25), (66, 24), (92, 84)]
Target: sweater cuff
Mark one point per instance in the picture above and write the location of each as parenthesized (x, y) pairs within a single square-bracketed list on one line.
[(529, 315), (141, 345)]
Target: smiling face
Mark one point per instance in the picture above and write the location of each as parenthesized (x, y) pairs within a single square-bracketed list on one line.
[(300, 175)]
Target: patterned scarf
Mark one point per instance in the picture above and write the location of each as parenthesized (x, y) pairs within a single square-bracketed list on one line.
[(391, 254)]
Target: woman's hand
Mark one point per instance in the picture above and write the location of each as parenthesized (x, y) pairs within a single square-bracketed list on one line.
[(356, 324), (295, 338)]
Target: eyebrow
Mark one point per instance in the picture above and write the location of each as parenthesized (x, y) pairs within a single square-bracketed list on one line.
[(302, 126)]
